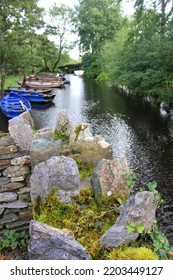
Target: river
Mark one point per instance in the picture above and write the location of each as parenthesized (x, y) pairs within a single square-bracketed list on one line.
[(136, 130)]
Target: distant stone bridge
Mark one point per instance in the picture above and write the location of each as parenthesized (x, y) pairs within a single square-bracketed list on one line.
[(70, 68)]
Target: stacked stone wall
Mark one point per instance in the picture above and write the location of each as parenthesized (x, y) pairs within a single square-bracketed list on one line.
[(15, 202)]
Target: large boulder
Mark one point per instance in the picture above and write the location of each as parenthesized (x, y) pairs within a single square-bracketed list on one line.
[(48, 243), (93, 149), (57, 172), (139, 211), (42, 150), (63, 124), (21, 130), (80, 132), (108, 179)]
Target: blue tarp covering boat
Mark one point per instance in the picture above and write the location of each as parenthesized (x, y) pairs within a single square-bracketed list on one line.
[(12, 105)]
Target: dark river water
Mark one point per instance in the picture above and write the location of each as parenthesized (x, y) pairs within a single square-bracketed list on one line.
[(136, 130)]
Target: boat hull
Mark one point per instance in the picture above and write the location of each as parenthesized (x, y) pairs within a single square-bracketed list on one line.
[(20, 89), (36, 97), (42, 85), (12, 105)]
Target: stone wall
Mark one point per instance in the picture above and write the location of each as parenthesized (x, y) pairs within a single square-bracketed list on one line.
[(15, 203)]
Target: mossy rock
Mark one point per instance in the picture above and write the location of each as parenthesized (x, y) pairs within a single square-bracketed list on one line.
[(87, 219)]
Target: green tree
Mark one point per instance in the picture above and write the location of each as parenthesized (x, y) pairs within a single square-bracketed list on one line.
[(16, 18), (60, 27), (96, 21)]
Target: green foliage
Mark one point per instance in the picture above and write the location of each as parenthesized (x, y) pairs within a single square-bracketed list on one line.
[(64, 138), (96, 21), (130, 177), (103, 77), (13, 239), (152, 188), (160, 243), (132, 227)]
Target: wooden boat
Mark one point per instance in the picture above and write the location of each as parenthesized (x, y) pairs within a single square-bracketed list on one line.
[(79, 72), (38, 84), (36, 97), (12, 105)]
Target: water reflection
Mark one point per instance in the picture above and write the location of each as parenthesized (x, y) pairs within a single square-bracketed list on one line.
[(134, 127)]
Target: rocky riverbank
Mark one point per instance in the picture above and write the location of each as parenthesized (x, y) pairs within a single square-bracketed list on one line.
[(33, 164)]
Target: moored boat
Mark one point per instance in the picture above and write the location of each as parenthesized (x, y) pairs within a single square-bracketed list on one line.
[(19, 89), (12, 105), (39, 84), (36, 97)]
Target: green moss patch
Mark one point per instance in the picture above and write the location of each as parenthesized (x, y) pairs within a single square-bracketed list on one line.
[(65, 139), (132, 253), (2, 134), (85, 169), (87, 220)]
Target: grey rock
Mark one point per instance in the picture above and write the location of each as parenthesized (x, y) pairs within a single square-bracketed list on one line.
[(27, 214), (16, 205), (44, 133), (21, 130), (21, 160), (11, 186), (5, 162), (8, 197), (93, 149), (108, 179), (16, 171), (18, 179), (27, 116), (57, 172), (17, 224), (80, 132), (48, 243), (23, 190), (1, 211), (139, 209), (25, 197), (12, 210), (13, 155), (4, 181), (8, 149), (6, 141), (42, 150), (8, 218), (63, 125)]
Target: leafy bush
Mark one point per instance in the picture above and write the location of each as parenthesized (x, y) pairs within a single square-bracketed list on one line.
[(13, 239)]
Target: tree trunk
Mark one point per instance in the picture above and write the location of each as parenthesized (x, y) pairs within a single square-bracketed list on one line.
[(57, 61), (3, 75), (59, 56), (162, 23)]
